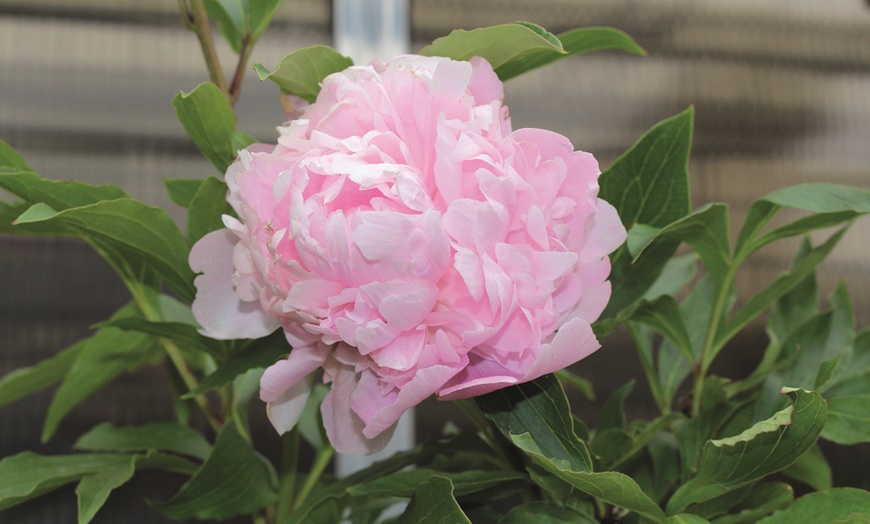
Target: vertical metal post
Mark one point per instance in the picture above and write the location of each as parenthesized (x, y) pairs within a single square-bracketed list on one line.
[(364, 30)]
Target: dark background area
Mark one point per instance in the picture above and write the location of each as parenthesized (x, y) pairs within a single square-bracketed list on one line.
[(782, 96)]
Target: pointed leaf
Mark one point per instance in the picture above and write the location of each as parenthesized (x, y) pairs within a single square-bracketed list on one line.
[(434, 502), (163, 436), (767, 447), (93, 490), (231, 19), (9, 157), (834, 505), (234, 480), (539, 410), (134, 238), (301, 73), (664, 317), (261, 14), (178, 331), (405, 483), (33, 189), (210, 121), (648, 185), (762, 500), (206, 209)]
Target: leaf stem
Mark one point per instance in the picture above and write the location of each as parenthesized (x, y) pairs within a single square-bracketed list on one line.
[(320, 463), (239, 75)]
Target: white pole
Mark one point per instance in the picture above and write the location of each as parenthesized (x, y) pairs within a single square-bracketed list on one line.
[(364, 30)]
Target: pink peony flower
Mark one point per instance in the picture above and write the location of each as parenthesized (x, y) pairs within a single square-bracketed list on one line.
[(409, 243)]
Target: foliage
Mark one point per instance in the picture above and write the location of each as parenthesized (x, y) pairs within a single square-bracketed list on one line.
[(726, 458)]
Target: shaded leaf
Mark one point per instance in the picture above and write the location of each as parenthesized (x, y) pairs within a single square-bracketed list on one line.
[(178, 331), (48, 372), (767, 447), (848, 420), (663, 315), (812, 469), (93, 490), (762, 500), (301, 72), (209, 120), (434, 503), (406, 483), (539, 410), (163, 436), (234, 480), (544, 513)]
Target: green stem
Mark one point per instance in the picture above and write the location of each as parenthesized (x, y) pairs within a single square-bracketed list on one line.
[(196, 19), (708, 351), (320, 463), (652, 379), (289, 472)]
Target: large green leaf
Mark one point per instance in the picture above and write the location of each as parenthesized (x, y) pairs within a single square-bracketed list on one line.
[(812, 468), (761, 500), (609, 486), (301, 72), (434, 502), (93, 490), (539, 410), (649, 185), (767, 447), (163, 436), (834, 505), (832, 204), (27, 475), (9, 157), (234, 480), (231, 18), (101, 359), (133, 237), (206, 208), (210, 121)]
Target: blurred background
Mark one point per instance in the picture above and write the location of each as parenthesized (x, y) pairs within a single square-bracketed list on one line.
[(781, 90)]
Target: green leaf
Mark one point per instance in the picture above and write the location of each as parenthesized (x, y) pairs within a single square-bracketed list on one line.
[(539, 410), (210, 121), (261, 14), (93, 490), (101, 359), (207, 208), (573, 42), (260, 354), (785, 282), (234, 480), (676, 275), (132, 237), (178, 331), (812, 468), (832, 203), (767, 447), (181, 190), (33, 189), (685, 518), (163, 436), (663, 315), (848, 420), (834, 505), (544, 513), (242, 141), (406, 483), (231, 19), (9, 157), (301, 73), (649, 184), (48, 372), (434, 503), (706, 230), (27, 475), (612, 414), (609, 486)]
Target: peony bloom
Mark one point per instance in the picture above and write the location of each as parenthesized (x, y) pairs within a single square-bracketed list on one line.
[(409, 243)]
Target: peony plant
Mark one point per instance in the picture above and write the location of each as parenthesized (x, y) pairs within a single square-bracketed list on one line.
[(401, 240)]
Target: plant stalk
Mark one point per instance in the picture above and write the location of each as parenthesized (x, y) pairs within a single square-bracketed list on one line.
[(320, 463), (196, 19)]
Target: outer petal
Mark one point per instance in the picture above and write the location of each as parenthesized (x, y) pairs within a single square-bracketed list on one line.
[(343, 426), (285, 386), (217, 307)]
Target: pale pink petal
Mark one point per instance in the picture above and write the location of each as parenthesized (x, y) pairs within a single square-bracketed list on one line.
[(284, 411), (344, 427), (285, 374), (574, 341), (217, 308)]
